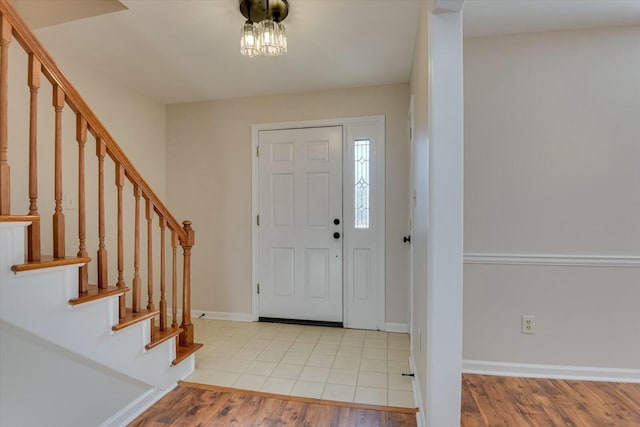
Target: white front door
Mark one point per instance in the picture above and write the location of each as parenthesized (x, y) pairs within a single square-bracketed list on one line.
[(300, 224)]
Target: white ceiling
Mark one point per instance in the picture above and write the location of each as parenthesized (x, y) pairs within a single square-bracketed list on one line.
[(188, 50)]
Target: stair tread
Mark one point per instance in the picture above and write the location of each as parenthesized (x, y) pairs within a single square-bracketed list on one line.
[(182, 352), (19, 218), (161, 336), (131, 318), (47, 261), (95, 293)]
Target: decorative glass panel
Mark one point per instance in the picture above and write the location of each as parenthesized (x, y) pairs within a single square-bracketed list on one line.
[(361, 175)]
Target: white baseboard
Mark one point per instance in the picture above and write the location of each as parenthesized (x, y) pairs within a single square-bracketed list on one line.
[(526, 370), (417, 395), (248, 317), (221, 315), (134, 409), (402, 328)]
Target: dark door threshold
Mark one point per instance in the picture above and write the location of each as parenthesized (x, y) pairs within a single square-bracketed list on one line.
[(301, 322)]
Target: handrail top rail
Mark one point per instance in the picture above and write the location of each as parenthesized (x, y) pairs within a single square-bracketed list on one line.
[(54, 74)]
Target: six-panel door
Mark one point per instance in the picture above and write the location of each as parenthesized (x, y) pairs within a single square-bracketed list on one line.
[(300, 244)]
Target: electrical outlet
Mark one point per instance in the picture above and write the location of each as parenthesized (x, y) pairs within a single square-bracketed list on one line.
[(69, 202), (528, 324)]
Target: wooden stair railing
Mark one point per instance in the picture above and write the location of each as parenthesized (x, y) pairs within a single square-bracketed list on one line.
[(40, 63)]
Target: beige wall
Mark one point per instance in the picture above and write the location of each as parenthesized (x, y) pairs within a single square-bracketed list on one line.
[(137, 122), (209, 182), (552, 152)]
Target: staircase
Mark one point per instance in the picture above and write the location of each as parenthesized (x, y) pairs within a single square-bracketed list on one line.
[(120, 312)]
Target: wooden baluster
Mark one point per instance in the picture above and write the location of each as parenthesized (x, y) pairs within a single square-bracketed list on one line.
[(5, 176), (186, 337), (33, 231), (58, 216), (163, 299), (81, 137), (101, 152), (137, 291), (174, 280), (120, 284), (150, 306)]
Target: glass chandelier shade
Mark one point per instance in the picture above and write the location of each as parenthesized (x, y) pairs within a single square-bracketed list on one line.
[(249, 40), (268, 33), (266, 38), (282, 38)]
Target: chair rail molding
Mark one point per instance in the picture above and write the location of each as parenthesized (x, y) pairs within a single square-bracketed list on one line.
[(553, 260)]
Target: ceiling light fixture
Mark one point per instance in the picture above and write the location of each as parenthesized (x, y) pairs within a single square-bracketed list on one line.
[(263, 32)]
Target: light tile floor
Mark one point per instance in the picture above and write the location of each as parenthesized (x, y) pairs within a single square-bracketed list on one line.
[(329, 363)]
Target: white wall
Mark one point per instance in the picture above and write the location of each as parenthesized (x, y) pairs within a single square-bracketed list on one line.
[(436, 84), (43, 384), (209, 181), (552, 148), (445, 240), (420, 213)]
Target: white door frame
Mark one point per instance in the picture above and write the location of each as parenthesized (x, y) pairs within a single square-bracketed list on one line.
[(378, 206)]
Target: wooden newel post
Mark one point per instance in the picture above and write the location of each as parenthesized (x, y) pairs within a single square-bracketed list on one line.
[(186, 337), (5, 187)]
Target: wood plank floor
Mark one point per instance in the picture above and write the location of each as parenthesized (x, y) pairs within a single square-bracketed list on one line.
[(196, 405), (487, 401), (514, 402)]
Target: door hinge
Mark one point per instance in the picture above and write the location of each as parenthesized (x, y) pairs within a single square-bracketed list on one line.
[(258, 220), (258, 288), (258, 151)]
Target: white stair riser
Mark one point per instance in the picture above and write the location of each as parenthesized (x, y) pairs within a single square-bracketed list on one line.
[(11, 245)]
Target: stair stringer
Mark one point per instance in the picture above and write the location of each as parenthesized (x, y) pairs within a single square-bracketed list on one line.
[(67, 389), (37, 301)]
